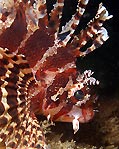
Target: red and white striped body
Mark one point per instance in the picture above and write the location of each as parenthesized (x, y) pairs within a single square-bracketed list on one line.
[(55, 88)]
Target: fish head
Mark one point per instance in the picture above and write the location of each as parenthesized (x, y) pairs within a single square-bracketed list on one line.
[(71, 99)]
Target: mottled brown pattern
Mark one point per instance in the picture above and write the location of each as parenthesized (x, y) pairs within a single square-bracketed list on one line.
[(38, 68), (38, 47), (13, 34)]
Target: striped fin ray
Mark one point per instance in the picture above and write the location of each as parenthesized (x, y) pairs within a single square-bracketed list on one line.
[(72, 24), (94, 31), (55, 16), (28, 134), (18, 125)]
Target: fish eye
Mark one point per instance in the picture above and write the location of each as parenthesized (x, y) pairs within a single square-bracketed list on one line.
[(79, 94)]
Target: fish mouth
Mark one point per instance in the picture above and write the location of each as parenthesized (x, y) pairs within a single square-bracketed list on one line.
[(77, 115)]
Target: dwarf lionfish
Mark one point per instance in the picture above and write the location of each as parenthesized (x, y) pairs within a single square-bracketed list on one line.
[(38, 73)]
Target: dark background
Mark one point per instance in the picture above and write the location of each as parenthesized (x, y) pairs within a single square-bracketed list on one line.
[(104, 61)]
